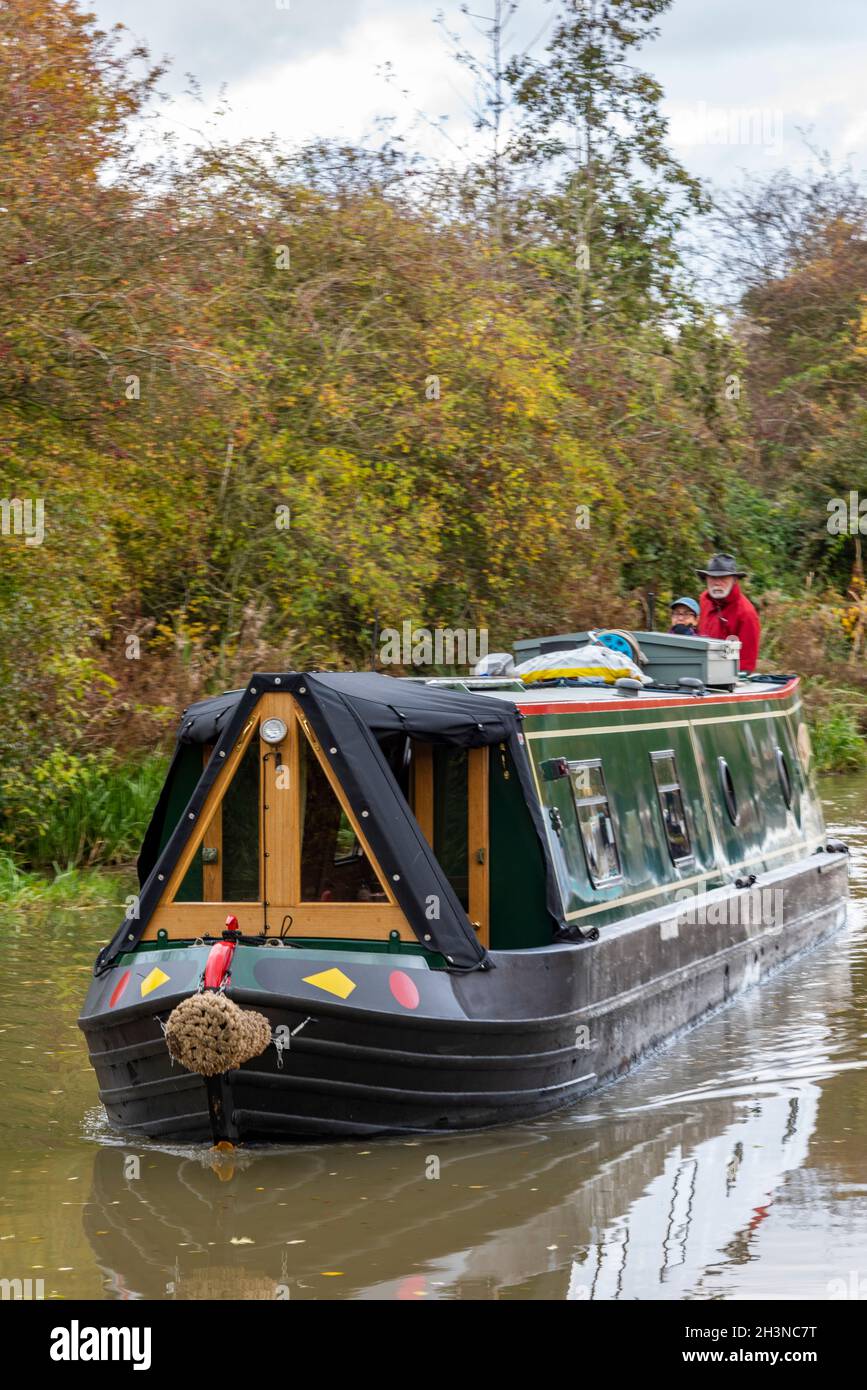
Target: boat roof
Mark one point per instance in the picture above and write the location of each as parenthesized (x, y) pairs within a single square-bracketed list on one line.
[(572, 698), (443, 703), (449, 711)]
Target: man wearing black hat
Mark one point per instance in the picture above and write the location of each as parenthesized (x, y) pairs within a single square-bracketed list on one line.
[(726, 612)]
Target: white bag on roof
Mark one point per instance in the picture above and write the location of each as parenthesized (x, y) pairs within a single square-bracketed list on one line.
[(593, 661)]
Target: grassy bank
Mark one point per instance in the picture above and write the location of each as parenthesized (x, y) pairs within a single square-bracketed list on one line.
[(838, 744), (837, 718), (72, 826), (92, 887)]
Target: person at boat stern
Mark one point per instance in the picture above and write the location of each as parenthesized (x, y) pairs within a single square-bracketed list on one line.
[(725, 611), (684, 617)]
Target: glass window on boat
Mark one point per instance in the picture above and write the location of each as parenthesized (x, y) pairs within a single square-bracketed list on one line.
[(450, 844), (670, 796), (226, 865), (241, 830), (564, 836), (334, 867), (593, 810)]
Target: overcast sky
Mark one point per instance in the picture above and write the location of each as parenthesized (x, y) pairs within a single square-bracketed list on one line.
[(742, 78)]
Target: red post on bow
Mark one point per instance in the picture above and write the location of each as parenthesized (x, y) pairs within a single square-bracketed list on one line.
[(220, 956)]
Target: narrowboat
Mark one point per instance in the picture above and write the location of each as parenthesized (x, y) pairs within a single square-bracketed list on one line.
[(452, 904)]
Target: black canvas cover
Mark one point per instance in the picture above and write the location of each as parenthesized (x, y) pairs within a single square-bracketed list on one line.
[(349, 711), (201, 723)]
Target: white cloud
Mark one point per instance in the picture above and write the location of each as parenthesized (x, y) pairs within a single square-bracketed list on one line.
[(315, 70), (342, 90)]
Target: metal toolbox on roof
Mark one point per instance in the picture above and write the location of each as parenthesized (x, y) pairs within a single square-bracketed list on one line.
[(712, 660)]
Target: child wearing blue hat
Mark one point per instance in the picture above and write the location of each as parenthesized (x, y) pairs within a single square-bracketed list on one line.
[(684, 617)]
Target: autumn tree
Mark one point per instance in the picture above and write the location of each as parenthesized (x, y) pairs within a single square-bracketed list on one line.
[(794, 248), (616, 196)]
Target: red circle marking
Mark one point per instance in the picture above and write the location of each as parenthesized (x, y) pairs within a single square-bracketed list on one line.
[(404, 989), (119, 989)]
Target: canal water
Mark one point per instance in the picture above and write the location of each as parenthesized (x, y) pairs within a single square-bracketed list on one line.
[(732, 1165)]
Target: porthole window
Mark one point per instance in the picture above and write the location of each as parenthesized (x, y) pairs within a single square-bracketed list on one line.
[(784, 776), (727, 787), (670, 796)]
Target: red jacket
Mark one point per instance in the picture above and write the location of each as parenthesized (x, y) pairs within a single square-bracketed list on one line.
[(734, 616)]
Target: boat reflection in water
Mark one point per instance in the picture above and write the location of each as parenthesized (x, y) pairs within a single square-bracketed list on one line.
[(648, 1205), (703, 1210)]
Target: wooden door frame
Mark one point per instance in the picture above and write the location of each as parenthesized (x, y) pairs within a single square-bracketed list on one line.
[(479, 841), (478, 824), (279, 873)]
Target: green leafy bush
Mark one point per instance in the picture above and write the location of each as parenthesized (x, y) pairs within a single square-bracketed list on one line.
[(72, 810)]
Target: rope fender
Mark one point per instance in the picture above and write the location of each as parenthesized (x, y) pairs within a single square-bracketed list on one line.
[(210, 1034)]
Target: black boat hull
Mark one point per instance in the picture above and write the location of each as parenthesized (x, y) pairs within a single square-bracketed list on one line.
[(536, 1032)]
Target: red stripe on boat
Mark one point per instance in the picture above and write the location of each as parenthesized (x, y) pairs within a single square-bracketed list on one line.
[(677, 701)]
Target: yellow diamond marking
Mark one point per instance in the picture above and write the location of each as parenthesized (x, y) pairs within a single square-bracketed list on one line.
[(153, 981), (333, 982)]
